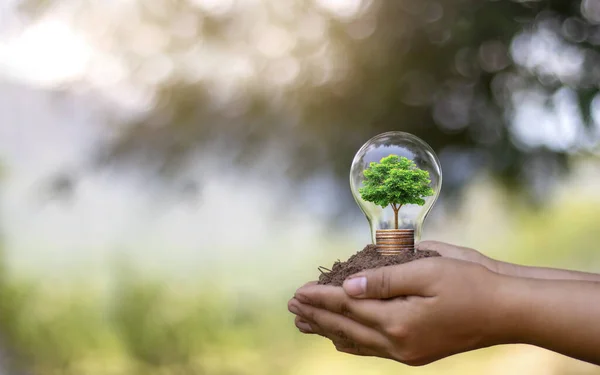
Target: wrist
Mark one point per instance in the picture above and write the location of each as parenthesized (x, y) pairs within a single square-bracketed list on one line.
[(511, 297)]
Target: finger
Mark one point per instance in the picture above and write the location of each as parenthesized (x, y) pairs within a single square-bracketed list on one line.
[(339, 327), (359, 350), (344, 345), (449, 251), (304, 326), (309, 283), (292, 306), (434, 246), (414, 278), (334, 299), (460, 253)]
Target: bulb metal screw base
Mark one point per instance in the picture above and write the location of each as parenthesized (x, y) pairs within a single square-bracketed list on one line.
[(394, 241)]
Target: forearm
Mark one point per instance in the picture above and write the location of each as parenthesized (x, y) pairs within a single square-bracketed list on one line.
[(559, 315), (545, 273)]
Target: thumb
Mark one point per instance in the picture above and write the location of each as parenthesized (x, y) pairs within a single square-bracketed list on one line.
[(413, 278)]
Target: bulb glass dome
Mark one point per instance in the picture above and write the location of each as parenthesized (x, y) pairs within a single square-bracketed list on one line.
[(411, 216)]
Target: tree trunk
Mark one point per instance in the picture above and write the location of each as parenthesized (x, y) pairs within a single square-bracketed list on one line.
[(396, 211)]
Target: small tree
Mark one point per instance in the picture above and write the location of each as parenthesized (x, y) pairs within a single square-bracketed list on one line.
[(395, 181)]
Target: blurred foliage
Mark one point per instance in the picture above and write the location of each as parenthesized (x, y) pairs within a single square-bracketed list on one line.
[(448, 71), (143, 328), (311, 81), (308, 82)]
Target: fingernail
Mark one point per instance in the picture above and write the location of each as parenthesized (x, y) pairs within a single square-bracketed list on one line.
[(294, 309), (304, 326), (356, 286), (302, 298)]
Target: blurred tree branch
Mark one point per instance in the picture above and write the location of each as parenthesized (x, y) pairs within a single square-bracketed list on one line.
[(447, 71)]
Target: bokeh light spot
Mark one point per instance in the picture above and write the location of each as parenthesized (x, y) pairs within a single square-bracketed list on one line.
[(283, 71), (343, 9), (47, 53), (493, 56), (274, 41), (215, 7), (591, 10)]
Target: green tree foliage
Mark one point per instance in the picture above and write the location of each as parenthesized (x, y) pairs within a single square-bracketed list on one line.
[(395, 181)]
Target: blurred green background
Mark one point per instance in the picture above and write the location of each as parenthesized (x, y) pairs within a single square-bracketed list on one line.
[(172, 170)]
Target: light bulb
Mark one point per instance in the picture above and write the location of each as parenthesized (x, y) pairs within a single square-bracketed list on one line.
[(412, 189)]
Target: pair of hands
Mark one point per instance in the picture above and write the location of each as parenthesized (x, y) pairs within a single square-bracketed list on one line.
[(414, 313)]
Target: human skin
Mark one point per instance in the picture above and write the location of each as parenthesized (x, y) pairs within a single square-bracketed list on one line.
[(504, 268), (425, 310)]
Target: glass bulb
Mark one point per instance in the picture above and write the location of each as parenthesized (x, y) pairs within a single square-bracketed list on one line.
[(410, 216)]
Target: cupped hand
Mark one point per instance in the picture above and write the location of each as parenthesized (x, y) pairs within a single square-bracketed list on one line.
[(414, 313)]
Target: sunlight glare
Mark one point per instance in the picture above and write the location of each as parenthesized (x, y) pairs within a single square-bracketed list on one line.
[(46, 54), (344, 9), (215, 7)]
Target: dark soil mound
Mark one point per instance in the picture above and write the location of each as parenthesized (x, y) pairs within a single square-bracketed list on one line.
[(367, 258)]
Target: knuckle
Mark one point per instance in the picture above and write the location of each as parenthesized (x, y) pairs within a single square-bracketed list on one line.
[(344, 309), (346, 345), (316, 298), (435, 265), (397, 331), (433, 268), (337, 332), (311, 314), (381, 281), (341, 335), (386, 290)]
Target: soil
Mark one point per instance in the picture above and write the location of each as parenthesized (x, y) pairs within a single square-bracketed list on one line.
[(367, 258)]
